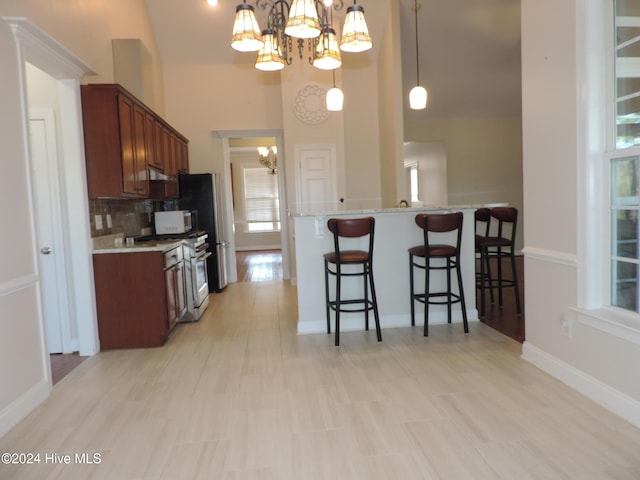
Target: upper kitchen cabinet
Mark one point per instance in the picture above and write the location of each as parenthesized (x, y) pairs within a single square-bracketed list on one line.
[(128, 147)]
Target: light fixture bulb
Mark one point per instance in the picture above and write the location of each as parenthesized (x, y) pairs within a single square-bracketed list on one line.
[(328, 3), (270, 57), (355, 34), (303, 20), (212, 3), (335, 99), (327, 51), (418, 98), (246, 33)]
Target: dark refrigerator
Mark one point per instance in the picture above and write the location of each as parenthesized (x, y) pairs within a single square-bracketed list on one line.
[(200, 193)]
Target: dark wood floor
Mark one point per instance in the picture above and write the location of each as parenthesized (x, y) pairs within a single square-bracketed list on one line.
[(505, 319), (259, 265), (63, 363)]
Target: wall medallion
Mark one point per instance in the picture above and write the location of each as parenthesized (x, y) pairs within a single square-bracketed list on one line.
[(310, 105)]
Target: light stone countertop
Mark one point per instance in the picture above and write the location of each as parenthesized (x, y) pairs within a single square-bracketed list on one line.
[(424, 208), (108, 244)]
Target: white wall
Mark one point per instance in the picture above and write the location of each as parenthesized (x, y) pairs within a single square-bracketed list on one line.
[(564, 74), (86, 31)]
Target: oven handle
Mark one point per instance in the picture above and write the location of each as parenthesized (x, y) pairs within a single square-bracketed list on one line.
[(203, 256)]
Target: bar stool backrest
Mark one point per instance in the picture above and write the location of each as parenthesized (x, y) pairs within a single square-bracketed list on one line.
[(440, 223), (351, 228), (507, 217), (483, 216)]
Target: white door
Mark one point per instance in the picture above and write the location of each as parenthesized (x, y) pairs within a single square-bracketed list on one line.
[(317, 181), (53, 280)]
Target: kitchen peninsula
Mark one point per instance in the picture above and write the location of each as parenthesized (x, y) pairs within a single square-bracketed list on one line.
[(395, 232)]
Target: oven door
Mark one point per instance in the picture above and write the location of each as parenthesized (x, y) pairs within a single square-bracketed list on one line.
[(200, 277)]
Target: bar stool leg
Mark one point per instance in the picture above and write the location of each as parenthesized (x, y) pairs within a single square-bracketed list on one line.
[(449, 296), (500, 285), (463, 304), (365, 272), (483, 260), (338, 288), (413, 307), (426, 297), (326, 295), (515, 284), (376, 315)]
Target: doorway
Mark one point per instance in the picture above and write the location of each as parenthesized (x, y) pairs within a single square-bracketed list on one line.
[(69, 283), (256, 208)]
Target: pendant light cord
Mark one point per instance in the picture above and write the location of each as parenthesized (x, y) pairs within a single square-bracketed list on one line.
[(417, 59)]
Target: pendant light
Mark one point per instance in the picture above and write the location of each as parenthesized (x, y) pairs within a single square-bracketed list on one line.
[(355, 34), (418, 94), (246, 33), (327, 51), (270, 57), (335, 97), (303, 20)]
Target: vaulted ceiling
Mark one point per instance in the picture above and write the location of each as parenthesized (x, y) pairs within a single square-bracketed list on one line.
[(469, 49)]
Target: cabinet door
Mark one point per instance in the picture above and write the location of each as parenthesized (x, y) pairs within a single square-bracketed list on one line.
[(140, 151), (183, 156), (153, 153), (171, 284), (181, 291), (127, 145)]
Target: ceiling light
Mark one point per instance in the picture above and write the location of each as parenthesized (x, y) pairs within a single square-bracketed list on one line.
[(270, 57), (355, 34), (303, 20), (212, 3), (335, 97), (418, 94), (300, 20), (327, 51), (246, 33), (268, 157)]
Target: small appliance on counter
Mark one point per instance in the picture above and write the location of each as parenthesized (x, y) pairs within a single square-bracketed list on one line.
[(172, 222)]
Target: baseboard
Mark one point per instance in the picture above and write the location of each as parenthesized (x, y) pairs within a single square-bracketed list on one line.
[(601, 393), (350, 323), (258, 248), (17, 410)]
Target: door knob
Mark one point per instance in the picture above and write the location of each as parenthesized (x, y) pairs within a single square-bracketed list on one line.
[(45, 250)]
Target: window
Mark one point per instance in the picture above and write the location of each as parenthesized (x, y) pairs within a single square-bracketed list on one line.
[(624, 180), (411, 168), (262, 205)]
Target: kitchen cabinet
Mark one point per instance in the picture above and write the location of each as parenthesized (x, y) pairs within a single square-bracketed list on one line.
[(138, 300), (128, 147), (175, 286)]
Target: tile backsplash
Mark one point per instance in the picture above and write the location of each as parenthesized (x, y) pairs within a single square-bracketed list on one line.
[(129, 217)]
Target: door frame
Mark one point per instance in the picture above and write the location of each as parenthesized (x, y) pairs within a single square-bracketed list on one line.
[(282, 192), (36, 47)]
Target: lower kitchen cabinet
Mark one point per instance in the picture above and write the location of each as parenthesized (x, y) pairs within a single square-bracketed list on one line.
[(135, 295)]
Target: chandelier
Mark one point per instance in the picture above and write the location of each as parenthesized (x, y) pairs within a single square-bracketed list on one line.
[(301, 20), (268, 157)]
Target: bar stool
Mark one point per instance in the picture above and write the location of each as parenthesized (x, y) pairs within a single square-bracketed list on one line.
[(482, 229), (334, 263), (437, 223), (499, 247)]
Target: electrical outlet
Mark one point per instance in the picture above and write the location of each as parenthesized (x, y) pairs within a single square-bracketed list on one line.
[(566, 323), (98, 219), (319, 227), (108, 220)]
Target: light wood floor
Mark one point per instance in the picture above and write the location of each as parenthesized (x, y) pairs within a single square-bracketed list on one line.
[(239, 395), (259, 265)]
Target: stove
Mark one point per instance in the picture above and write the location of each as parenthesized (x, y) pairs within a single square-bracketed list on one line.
[(196, 251)]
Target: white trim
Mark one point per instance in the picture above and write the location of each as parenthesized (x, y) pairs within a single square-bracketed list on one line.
[(23, 405), (550, 256), (617, 322), (44, 51), (601, 393), (17, 284)]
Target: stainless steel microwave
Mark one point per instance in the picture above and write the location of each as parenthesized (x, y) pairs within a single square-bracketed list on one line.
[(175, 221)]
